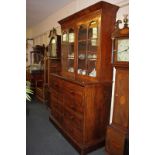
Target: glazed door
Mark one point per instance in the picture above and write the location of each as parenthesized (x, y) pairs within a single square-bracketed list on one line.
[(68, 51), (88, 47)]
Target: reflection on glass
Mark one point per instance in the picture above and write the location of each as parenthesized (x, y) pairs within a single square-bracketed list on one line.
[(53, 41), (93, 30), (82, 47), (70, 65), (82, 35), (64, 37), (53, 48), (91, 68), (70, 56), (92, 45), (71, 49), (71, 37)]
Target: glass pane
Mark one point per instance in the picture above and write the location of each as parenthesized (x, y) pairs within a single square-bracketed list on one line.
[(70, 65), (93, 30), (92, 48), (82, 47), (64, 37), (92, 45), (71, 35), (82, 34), (70, 57), (64, 55), (53, 48), (71, 51), (92, 68)]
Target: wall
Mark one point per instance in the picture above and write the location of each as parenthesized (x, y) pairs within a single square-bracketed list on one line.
[(41, 31)]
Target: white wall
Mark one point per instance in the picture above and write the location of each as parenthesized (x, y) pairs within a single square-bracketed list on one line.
[(77, 5), (40, 32)]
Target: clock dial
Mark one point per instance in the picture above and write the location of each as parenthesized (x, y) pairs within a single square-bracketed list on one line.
[(123, 50)]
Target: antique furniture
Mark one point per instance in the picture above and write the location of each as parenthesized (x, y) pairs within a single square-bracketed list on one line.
[(54, 47), (34, 72), (53, 54), (37, 71), (52, 60), (117, 131), (81, 94), (53, 65), (29, 47)]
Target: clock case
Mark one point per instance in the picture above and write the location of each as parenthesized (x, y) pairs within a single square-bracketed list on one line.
[(117, 134), (54, 53), (119, 34)]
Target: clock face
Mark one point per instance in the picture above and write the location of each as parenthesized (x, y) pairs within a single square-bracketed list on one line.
[(123, 50)]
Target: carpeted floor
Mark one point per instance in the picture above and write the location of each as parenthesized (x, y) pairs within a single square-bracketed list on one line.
[(42, 138)]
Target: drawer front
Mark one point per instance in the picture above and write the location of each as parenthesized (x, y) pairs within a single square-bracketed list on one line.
[(56, 101), (75, 120), (55, 83), (115, 141), (56, 115), (74, 102), (72, 131), (53, 97), (56, 95), (73, 88), (57, 106)]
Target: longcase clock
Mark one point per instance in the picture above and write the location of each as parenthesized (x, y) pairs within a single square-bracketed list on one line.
[(117, 131)]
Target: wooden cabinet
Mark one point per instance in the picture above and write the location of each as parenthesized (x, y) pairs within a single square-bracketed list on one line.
[(86, 43), (80, 111), (115, 141), (117, 131), (80, 95)]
